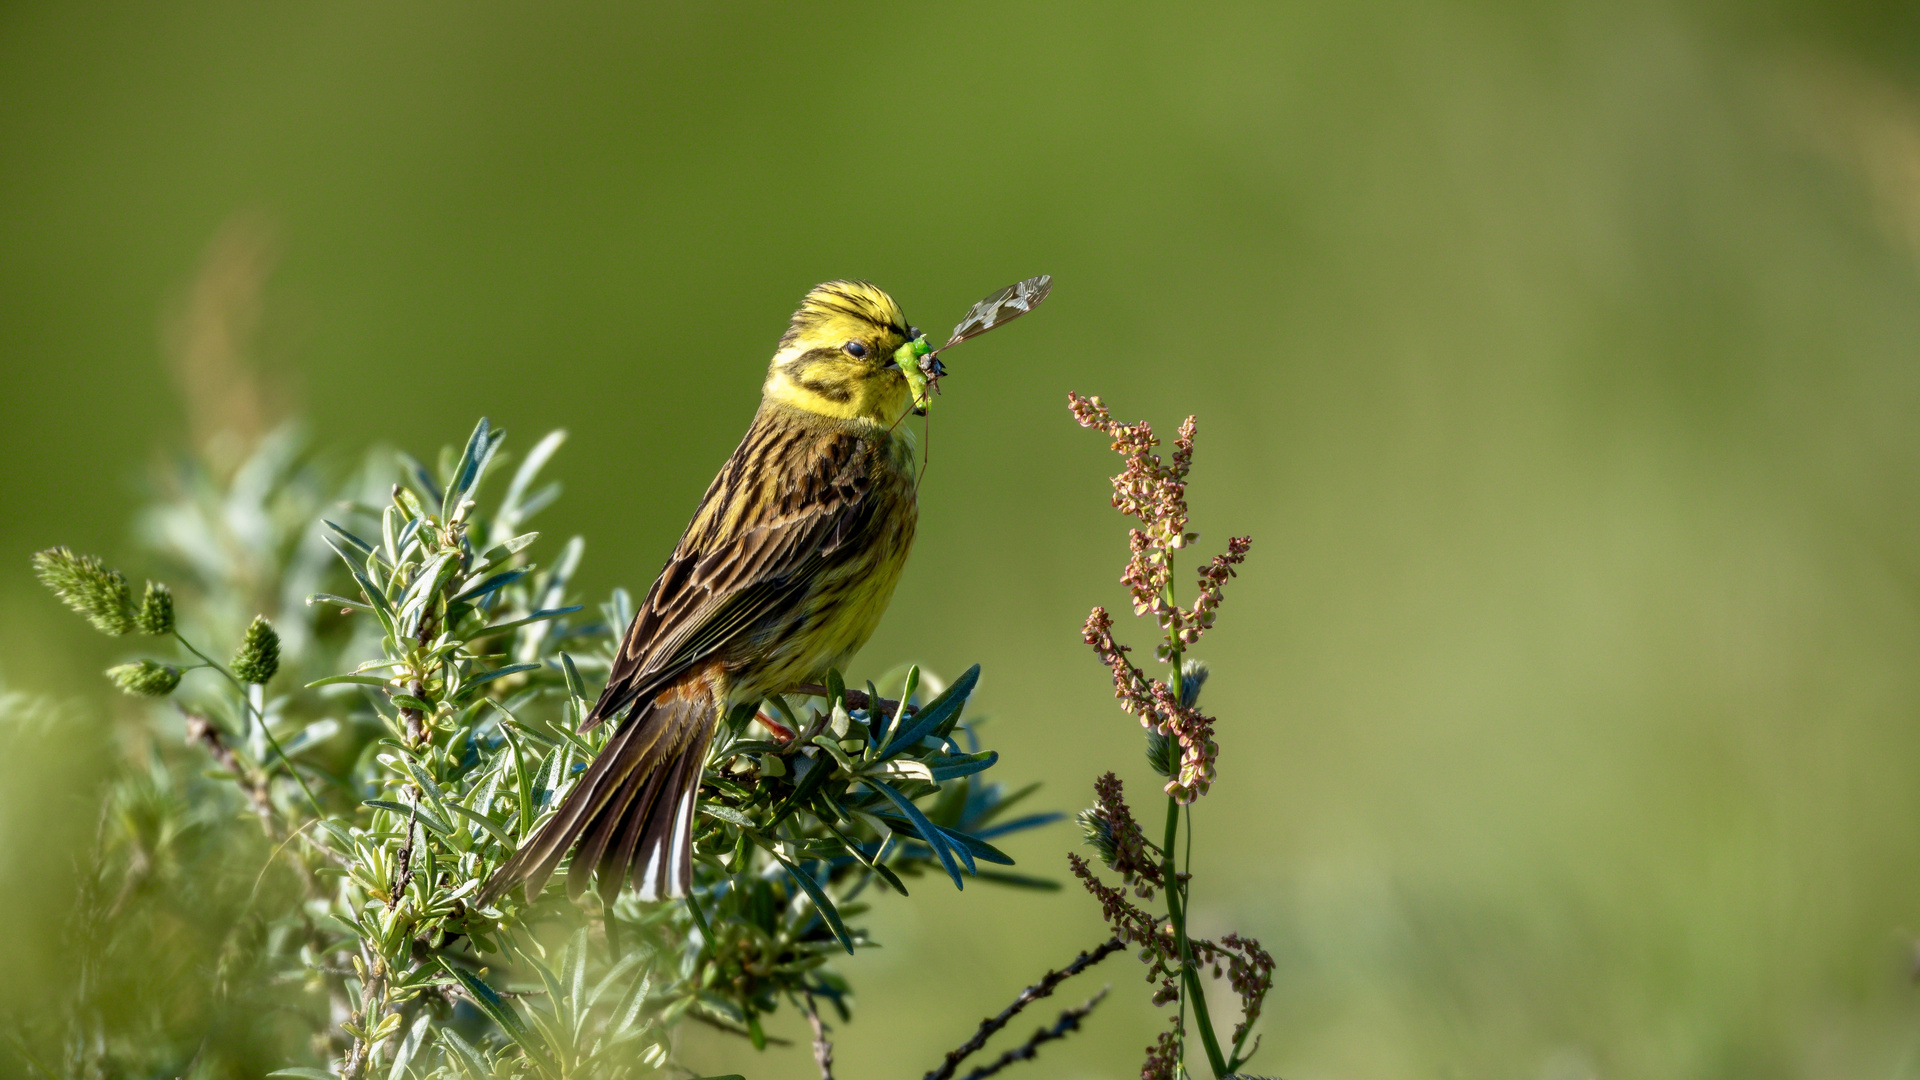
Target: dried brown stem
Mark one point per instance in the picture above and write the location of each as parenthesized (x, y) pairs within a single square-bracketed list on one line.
[(204, 731), (403, 862), (1031, 994), (1067, 1024), (822, 1049)]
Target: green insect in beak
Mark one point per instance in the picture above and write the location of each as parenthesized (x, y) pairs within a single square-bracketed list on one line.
[(920, 362), (922, 369)]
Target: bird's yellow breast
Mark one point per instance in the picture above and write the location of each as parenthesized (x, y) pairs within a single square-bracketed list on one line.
[(842, 604)]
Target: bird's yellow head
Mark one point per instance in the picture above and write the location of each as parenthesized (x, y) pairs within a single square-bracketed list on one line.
[(837, 357)]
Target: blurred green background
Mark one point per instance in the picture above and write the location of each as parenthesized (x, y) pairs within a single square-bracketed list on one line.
[(1562, 359)]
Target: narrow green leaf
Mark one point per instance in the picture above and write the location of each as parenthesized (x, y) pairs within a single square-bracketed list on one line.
[(1030, 821), (410, 531), (876, 720), (817, 771), (727, 814), (500, 1013), (562, 759), (479, 450), (1001, 806), (470, 1060), (533, 504), (349, 555), (382, 607), (523, 477), (338, 832), (426, 818), (960, 850), (468, 688), (899, 718), (940, 714), (700, 919), (635, 997), (390, 533), (561, 572), (432, 576), (614, 974), (346, 534), (927, 830), (824, 809), (509, 547), (538, 616), (375, 596), (410, 1046), (485, 822), (900, 768), (576, 686), (310, 736), (952, 768), (357, 680), (827, 743), (555, 996), (490, 583), (1019, 881), (302, 1073), (574, 970), (820, 902), (415, 473), (523, 780), (427, 784), (335, 600)]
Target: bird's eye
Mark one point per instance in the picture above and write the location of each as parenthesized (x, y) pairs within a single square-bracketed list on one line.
[(855, 350)]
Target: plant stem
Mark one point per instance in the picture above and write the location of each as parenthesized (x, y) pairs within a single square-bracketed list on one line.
[(1170, 870), (1177, 911), (246, 699)]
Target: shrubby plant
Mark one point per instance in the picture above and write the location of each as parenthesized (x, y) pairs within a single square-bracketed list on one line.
[(303, 829), (392, 735)]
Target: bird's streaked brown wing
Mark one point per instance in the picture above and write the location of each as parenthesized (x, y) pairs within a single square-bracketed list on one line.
[(786, 500)]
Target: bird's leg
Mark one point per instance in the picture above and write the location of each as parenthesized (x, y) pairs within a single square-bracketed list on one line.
[(780, 731)]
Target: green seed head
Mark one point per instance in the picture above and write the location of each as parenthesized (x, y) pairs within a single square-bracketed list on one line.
[(1193, 676), (145, 678), (258, 656), (89, 587), (156, 610), (1098, 833), (1163, 753)]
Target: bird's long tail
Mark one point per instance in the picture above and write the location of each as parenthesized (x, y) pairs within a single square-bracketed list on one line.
[(632, 812)]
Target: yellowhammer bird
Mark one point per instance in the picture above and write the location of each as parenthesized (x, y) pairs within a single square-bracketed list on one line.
[(783, 573)]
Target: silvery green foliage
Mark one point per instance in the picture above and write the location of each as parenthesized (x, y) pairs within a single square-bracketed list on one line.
[(422, 723)]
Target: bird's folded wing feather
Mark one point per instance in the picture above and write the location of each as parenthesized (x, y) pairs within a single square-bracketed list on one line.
[(784, 504)]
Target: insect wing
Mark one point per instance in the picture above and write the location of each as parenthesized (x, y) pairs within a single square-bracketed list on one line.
[(1004, 306)]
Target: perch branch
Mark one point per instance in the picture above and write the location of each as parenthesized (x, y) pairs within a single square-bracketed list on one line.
[(856, 699)]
